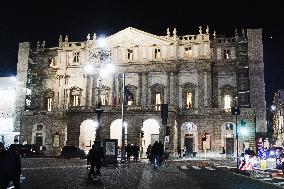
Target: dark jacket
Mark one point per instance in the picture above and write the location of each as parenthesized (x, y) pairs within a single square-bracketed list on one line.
[(95, 155)]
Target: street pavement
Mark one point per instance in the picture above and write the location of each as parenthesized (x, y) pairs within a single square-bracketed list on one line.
[(53, 173)]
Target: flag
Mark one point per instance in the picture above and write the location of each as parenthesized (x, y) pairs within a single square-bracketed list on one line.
[(128, 94)]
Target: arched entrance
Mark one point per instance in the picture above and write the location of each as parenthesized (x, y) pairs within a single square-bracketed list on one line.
[(228, 134), (189, 137), (151, 129), (39, 135), (116, 131), (87, 134)]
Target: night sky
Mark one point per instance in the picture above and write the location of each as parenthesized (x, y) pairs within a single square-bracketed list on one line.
[(34, 21)]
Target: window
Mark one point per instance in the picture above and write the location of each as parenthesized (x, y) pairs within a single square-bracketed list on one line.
[(28, 102), (29, 92), (187, 52), (76, 57), (75, 97), (227, 103), (158, 101), (229, 126), (226, 54), (49, 104), (129, 54), (104, 99), (129, 102), (157, 53), (75, 100), (189, 100)]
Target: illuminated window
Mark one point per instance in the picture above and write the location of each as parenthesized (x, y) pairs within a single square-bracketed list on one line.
[(75, 96), (49, 104), (75, 100), (226, 54), (76, 57), (157, 53), (187, 52), (188, 100), (129, 54), (129, 102), (28, 102), (29, 92), (104, 99), (158, 101), (227, 102)]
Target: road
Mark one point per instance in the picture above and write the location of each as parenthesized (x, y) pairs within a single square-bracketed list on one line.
[(55, 173)]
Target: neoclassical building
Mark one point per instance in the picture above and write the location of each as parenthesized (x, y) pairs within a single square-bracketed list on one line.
[(199, 76)]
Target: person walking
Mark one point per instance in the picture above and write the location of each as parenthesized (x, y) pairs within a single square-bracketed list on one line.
[(136, 152), (148, 153), (155, 151), (95, 158)]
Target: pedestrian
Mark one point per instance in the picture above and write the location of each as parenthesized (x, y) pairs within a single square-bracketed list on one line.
[(155, 151), (136, 152), (148, 153), (95, 158), (10, 167), (179, 151)]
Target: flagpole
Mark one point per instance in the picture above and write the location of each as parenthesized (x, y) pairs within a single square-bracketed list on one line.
[(122, 119)]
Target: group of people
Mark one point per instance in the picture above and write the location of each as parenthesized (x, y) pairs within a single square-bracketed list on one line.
[(132, 150), (155, 154), (10, 167)]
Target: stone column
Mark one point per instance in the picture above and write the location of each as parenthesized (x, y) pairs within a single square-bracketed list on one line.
[(62, 92), (144, 99), (112, 91), (139, 89), (88, 90), (168, 89), (174, 93), (94, 86), (208, 89), (200, 89)]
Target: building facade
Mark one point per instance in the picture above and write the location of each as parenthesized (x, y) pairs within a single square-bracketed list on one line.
[(278, 122), (7, 108), (199, 76)]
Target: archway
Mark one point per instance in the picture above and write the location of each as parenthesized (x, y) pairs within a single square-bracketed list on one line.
[(228, 133), (189, 137), (151, 129), (39, 135), (87, 134), (116, 131)]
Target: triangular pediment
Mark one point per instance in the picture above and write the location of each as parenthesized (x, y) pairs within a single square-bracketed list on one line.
[(134, 37)]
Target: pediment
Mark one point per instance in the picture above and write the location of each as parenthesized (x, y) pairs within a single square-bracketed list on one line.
[(131, 37)]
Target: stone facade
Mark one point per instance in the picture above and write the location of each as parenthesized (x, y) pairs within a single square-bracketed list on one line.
[(278, 122), (196, 75)]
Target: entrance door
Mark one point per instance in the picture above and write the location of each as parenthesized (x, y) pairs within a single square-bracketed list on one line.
[(188, 143), (154, 137), (39, 140), (230, 146)]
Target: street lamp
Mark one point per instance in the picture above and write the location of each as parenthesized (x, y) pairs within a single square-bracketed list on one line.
[(236, 111), (103, 56)]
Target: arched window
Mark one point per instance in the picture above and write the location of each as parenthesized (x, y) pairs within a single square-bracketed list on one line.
[(48, 100), (188, 95), (227, 96), (157, 91)]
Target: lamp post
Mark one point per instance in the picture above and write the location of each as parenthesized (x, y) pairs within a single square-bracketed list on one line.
[(254, 120), (236, 111), (101, 55)]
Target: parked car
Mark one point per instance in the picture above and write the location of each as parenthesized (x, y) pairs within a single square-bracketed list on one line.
[(73, 152), (26, 150)]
